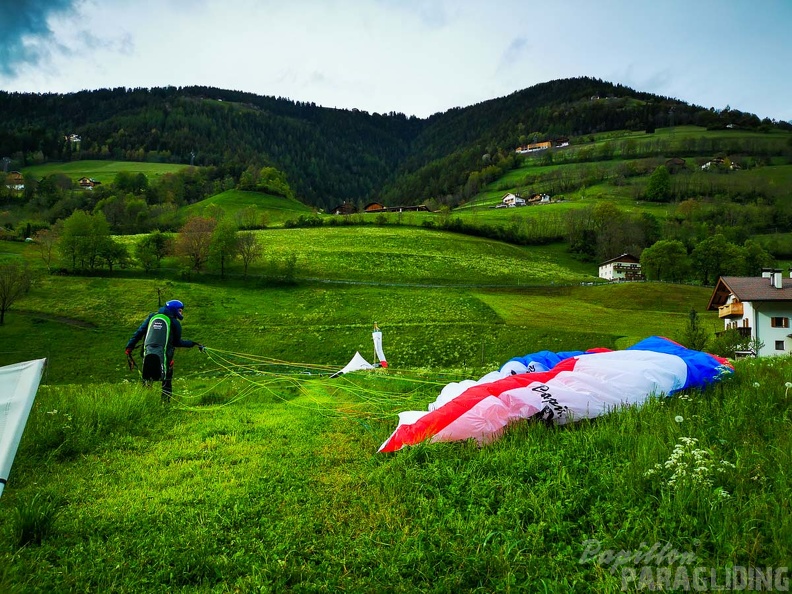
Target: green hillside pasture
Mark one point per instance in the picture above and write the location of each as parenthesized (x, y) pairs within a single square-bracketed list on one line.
[(402, 255), (399, 255), (626, 312), (103, 171), (270, 210), (283, 491), (81, 325), (681, 134)]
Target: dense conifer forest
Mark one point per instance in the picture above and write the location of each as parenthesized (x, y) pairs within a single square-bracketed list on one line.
[(332, 155)]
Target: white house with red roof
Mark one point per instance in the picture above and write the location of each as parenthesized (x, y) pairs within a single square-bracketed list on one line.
[(759, 307)]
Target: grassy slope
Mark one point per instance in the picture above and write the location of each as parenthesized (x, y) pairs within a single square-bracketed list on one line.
[(282, 490), (518, 180), (425, 287), (103, 171), (276, 209), (271, 482)]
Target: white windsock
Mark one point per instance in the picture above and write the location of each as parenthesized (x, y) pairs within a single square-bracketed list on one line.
[(377, 336)]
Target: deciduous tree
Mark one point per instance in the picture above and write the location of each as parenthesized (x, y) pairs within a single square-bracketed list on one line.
[(82, 239), (225, 243), (46, 241), (250, 249), (659, 187), (194, 241), (666, 260), (15, 281)]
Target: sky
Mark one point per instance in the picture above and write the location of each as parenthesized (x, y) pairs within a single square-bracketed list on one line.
[(416, 57)]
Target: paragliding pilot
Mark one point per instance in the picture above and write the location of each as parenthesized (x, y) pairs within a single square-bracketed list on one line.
[(163, 333)]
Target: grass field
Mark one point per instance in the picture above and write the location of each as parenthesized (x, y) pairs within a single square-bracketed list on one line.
[(103, 171), (447, 301), (270, 210), (262, 475), (270, 482)]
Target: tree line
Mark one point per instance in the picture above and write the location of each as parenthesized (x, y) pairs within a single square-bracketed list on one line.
[(83, 244), (331, 155)]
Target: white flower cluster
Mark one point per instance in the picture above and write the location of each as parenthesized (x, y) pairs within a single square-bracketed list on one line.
[(690, 466)]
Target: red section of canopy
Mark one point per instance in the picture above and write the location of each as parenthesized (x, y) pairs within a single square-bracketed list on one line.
[(437, 420)]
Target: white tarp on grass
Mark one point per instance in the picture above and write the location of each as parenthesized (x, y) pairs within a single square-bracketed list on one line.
[(18, 386), (355, 364)]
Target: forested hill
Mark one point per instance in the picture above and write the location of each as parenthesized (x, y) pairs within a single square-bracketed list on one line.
[(329, 155)]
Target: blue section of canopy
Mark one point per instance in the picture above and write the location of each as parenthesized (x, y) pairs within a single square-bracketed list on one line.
[(702, 368), (547, 358)]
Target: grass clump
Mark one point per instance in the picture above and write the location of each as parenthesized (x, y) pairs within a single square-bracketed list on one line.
[(33, 519)]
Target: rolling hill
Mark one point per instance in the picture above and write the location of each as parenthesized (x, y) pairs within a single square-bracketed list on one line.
[(329, 155)]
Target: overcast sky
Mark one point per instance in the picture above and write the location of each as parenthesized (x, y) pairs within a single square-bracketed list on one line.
[(417, 57)]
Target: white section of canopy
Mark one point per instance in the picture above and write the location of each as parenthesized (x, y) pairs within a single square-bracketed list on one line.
[(355, 364), (18, 386)]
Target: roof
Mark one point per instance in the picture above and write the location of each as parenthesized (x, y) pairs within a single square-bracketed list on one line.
[(623, 258), (749, 288)]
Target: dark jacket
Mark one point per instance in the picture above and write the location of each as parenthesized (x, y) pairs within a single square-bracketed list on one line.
[(174, 338)]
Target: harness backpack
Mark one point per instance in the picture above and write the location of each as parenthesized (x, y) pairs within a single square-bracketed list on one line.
[(154, 347)]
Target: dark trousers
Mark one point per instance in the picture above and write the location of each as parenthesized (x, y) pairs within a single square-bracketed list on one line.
[(167, 382)]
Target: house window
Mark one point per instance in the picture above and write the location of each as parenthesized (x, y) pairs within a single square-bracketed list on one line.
[(779, 322), (779, 345)]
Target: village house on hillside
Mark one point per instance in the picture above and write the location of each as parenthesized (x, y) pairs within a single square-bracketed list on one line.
[(15, 181), (539, 199), (344, 208), (88, 183), (348, 208), (512, 200), (621, 268), (542, 146), (758, 307), (675, 164)]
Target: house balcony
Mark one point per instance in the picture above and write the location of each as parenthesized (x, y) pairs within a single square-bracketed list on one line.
[(744, 331), (730, 310)]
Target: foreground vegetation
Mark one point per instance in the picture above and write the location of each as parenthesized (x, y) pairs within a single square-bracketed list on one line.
[(268, 483), (263, 474)]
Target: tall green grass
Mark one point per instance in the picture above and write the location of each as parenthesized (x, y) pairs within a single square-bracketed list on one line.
[(283, 490)]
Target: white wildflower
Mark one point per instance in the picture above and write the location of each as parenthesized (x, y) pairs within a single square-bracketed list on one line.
[(679, 418)]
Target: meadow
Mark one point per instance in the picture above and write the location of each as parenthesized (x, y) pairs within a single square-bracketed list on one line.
[(103, 171), (262, 474), (269, 210)]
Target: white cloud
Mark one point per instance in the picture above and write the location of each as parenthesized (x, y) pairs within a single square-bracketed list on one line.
[(412, 56)]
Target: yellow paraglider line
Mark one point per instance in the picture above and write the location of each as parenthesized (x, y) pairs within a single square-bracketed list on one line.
[(253, 371)]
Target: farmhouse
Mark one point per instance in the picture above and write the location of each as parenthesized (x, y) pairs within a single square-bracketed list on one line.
[(542, 146), (719, 163), (675, 164), (536, 146), (539, 199), (348, 208), (621, 268), (344, 209), (15, 181), (513, 200), (758, 307), (88, 183)]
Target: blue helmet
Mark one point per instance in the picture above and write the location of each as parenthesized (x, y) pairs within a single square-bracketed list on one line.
[(174, 307)]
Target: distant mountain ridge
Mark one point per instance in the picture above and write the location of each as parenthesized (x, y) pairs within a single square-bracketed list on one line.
[(329, 155)]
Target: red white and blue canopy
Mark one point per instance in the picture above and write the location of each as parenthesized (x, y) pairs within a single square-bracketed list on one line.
[(558, 388)]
